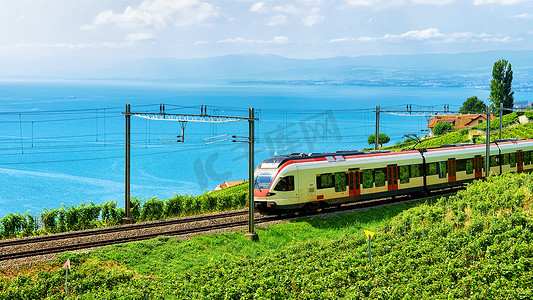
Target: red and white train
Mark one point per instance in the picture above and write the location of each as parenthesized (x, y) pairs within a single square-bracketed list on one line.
[(312, 181)]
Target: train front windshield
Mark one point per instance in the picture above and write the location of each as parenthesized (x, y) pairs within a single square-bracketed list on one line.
[(263, 180)]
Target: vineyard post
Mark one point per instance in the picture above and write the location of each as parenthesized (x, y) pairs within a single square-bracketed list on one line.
[(369, 250), (487, 143), (369, 234), (376, 138)]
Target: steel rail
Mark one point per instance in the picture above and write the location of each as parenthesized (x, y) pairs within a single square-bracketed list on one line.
[(79, 246)]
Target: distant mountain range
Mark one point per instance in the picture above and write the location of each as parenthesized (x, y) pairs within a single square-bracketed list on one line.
[(463, 69)]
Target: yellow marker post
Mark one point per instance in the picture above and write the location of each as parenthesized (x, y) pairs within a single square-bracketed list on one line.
[(369, 235)]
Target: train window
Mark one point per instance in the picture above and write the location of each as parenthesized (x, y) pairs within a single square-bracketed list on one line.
[(527, 157), (404, 174), (416, 171), (512, 159), (324, 181), (505, 159), (442, 169), (494, 161), (340, 182), (379, 177), (432, 169), (461, 165), (470, 166), (285, 184), (263, 180), (368, 179)]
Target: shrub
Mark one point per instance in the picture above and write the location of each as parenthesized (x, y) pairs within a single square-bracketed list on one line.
[(30, 225), (13, 224), (173, 206), (443, 127), (135, 208), (48, 219), (152, 209)]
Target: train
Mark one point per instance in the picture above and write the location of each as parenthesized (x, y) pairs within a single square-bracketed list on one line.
[(308, 182)]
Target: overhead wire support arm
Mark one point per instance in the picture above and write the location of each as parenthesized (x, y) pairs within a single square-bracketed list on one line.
[(203, 117)]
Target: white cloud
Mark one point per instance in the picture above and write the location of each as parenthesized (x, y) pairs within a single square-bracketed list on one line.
[(68, 46), (240, 40), (312, 20), (160, 13), (277, 20), (305, 7), (340, 40), (410, 35), (258, 7), (287, 8), (433, 34), (139, 36), (524, 16), (502, 2), (280, 39), (381, 4)]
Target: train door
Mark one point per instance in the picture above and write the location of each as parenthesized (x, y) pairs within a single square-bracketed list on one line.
[(478, 166), (520, 161), (452, 170), (392, 178), (354, 179)]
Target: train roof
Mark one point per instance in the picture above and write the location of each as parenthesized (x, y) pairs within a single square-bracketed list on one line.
[(430, 153), (276, 161)]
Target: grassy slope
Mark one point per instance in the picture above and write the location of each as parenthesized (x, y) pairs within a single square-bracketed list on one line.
[(477, 244)]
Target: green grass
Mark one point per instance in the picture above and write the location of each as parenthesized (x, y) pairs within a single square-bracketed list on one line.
[(235, 246), (159, 260), (477, 244)]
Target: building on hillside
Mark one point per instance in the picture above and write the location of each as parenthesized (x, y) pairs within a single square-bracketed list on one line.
[(458, 121), (227, 184)]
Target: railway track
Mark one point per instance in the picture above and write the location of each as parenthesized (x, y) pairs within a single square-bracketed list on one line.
[(106, 242), (225, 220), (106, 230)]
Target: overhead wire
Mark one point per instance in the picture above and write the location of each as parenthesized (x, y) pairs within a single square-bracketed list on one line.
[(289, 135)]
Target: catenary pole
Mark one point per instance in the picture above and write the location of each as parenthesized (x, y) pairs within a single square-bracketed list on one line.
[(127, 219), (251, 233)]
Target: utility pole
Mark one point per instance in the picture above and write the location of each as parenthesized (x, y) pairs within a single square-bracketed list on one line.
[(377, 129), (251, 168), (127, 219), (487, 143)]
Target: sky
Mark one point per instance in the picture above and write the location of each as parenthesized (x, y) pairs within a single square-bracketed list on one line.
[(66, 31)]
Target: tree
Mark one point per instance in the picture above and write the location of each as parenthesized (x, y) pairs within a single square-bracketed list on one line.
[(383, 138), (500, 86), (442, 127), (473, 104)]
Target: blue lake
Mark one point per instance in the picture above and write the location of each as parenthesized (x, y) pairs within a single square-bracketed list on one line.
[(63, 142)]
